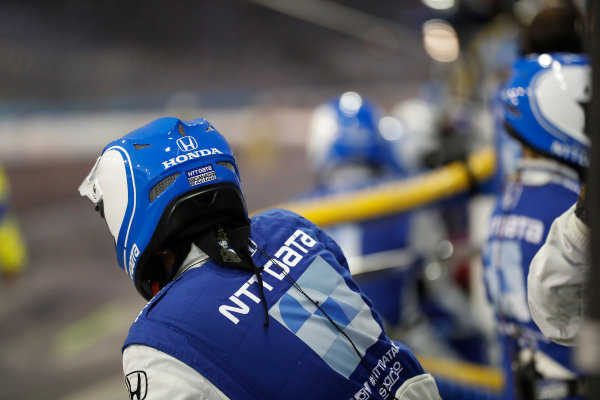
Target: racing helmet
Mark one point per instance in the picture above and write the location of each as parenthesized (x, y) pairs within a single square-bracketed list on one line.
[(344, 131), (163, 183), (545, 102)]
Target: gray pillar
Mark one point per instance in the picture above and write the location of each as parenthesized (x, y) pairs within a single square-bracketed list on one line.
[(589, 345)]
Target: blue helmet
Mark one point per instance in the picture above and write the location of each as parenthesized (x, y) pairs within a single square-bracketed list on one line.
[(345, 131), (159, 184), (544, 105)]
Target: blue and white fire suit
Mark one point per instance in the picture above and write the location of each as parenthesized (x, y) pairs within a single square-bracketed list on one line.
[(203, 335), (540, 191), (383, 258), (557, 279)]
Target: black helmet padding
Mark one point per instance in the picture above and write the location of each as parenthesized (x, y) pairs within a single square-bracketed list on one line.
[(185, 218)]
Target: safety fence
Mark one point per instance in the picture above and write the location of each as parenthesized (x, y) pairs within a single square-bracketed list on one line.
[(398, 195)]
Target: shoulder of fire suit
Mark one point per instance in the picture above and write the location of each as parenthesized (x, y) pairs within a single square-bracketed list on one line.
[(556, 279), (277, 222)]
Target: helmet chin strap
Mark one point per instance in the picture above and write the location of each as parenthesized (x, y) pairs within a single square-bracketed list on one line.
[(214, 243)]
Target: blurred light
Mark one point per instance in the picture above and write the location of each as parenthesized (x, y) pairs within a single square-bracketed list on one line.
[(440, 4), (322, 132), (556, 67), (350, 103), (445, 250), (433, 271), (323, 123), (440, 40), (544, 60), (418, 116), (391, 128)]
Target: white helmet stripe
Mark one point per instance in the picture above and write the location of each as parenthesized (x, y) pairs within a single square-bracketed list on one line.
[(107, 182), (121, 151), (556, 103)]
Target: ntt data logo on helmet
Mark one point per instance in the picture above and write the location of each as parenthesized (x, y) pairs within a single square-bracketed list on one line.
[(200, 175), (572, 154), (189, 156), (187, 143)]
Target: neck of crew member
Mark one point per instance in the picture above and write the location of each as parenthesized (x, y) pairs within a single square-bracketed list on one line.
[(168, 259), (531, 154)]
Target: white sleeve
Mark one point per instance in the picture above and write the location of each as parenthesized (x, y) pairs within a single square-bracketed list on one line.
[(420, 387), (555, 283), (153, 375)]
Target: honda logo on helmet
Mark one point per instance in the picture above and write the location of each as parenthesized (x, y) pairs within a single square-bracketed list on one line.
[(187, 143)]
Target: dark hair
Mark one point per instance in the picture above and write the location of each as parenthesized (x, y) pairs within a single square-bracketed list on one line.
[(553, 30)]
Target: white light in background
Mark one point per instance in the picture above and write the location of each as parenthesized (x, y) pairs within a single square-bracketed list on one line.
[(440, 4), (350, 103), (545, 60), (440, 40), (391, 129)]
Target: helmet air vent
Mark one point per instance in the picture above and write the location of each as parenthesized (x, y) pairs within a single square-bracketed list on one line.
[(227, 165), (162, 186), (207, 199), (140, 146)]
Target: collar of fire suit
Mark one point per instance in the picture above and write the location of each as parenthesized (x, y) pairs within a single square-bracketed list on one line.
[(538, 172), (195, 258)]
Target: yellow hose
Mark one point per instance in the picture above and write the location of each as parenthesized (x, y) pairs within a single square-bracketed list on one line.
[(13, 252), (397, 196), (3, 186), (466, 373)]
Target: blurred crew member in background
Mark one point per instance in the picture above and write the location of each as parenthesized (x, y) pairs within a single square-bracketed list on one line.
[(557, 275), (552, 30), (347, 151), (13, 251), (351, 146), (544, 103), (239, 308)]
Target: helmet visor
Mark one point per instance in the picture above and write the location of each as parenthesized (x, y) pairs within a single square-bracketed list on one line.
[(106, 187), (90, 187)]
